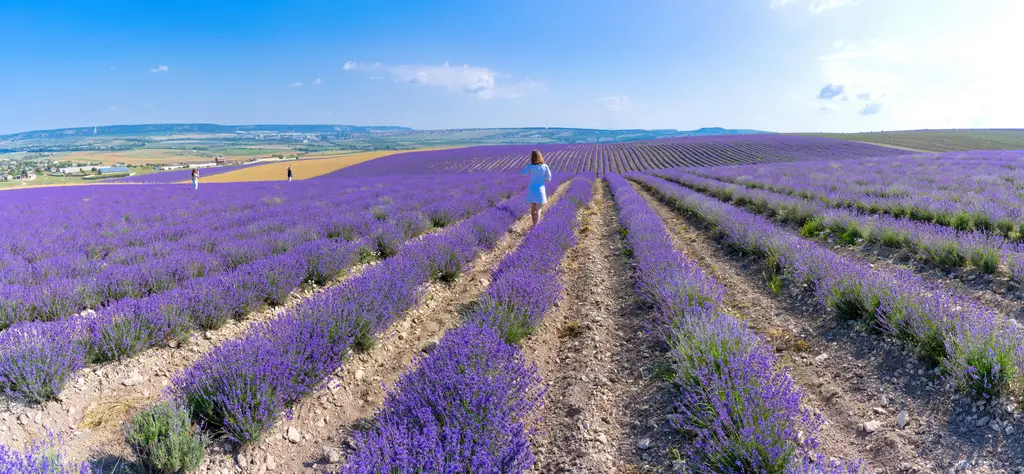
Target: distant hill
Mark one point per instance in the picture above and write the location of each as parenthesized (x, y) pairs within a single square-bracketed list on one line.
[(939, 140), (129, 131), (320, 137)]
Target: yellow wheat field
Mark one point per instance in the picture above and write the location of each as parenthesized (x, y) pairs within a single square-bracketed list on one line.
[(302, 168)]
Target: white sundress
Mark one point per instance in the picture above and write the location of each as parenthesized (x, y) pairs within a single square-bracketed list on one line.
[(539, 174)]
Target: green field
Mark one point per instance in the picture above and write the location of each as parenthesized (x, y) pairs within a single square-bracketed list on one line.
[(939, 140)]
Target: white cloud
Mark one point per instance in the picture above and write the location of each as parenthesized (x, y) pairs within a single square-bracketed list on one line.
[(159, 69), (482, 82), (928, 78), (296, 84), (617, 103), (814, 6), (317, 82)]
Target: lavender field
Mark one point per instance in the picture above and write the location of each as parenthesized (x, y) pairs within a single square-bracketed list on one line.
[(747, 304), (624, 157)]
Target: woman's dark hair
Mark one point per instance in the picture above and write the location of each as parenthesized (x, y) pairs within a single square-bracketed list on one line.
[(536, 158)]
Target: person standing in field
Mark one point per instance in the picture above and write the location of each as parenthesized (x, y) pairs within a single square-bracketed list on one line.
[(195, 178), (539, 173), (289, 173)]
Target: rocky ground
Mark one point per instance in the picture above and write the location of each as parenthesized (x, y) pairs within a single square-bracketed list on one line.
[(605, 408), (880, 403)]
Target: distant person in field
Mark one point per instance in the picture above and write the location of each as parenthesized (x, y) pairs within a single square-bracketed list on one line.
[(195, 178), (539, 173), (289, 173)]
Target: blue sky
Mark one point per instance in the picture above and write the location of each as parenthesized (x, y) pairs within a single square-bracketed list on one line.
[(779, 65)]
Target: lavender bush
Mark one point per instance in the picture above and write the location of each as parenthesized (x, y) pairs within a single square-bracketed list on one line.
[(463, 408), (242, 387), (973, 346), (738, 408), (42, 457)]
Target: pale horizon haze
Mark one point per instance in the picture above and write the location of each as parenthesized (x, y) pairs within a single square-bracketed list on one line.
[(775, 65)]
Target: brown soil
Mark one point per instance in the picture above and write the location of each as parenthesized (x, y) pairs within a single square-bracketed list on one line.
[(854, 376), (597, 357)]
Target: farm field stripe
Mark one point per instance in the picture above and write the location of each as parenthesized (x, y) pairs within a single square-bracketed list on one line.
[(466, 406), (603, 158), (944, 247), (737, 406), (241, 388), (137, 381), (594, 352), (977, 350), (70, 284), (928, 187), (37, 358), (848, 374), (352, 395), (930, 242)]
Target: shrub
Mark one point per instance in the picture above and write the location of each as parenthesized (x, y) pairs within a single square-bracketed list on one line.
[(163, 438), (42, 457), (463, 409), (37, 359)]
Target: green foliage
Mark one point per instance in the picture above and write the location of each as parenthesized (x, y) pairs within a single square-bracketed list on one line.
[(165, 441)]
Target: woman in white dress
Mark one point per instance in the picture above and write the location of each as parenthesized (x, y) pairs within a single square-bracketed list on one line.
[(539, 173)]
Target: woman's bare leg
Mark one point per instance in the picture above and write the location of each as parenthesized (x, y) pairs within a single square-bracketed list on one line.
[(534, 212)]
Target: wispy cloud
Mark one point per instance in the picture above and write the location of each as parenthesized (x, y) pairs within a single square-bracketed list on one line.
[(617, 103), (482, 82), (830, 91), (296, 84), (813, 6), (112, 108), (159, 69), (317, 82), (871, 109)]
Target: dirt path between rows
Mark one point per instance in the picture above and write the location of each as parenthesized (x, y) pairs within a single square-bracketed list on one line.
[(318, 436), (856, 378), (603, 411), (101, 397)]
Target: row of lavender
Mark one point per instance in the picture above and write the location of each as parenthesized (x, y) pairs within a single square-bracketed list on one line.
[(605, 158), (940, 245), (465, 407), (242, 387), (976, 190), (37, 358), (156, 253), (975, 347), (738, 408)]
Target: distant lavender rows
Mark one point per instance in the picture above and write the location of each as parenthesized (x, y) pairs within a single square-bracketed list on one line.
[(622, 157), (465, 407), (242, 387), (975, 347), (737, 407), (974, 190), (72, 250), (940, 245), (36, 358)]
